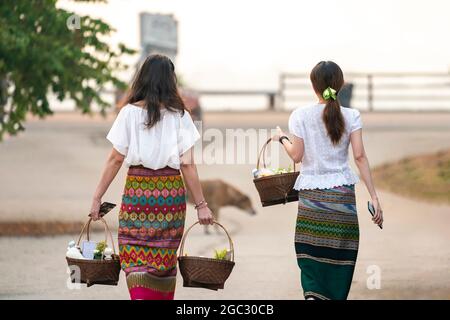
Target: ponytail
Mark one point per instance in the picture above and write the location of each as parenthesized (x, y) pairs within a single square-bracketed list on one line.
[(334, 121)]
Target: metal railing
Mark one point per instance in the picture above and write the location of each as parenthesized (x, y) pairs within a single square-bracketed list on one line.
[(421, 91), (382, 91)]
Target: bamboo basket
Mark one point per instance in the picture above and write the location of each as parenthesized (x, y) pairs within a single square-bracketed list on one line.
[(277, 188), (201, 272), (92, 271)]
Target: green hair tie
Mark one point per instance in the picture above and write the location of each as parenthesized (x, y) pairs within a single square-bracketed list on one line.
[(329, 93)]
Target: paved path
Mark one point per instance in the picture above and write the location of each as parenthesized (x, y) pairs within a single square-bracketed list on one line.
[(50, 172)]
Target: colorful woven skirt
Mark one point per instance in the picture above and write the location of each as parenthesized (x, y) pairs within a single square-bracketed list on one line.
[(151, 224), (326, 241)]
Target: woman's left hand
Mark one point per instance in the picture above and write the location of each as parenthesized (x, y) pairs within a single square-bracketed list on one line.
[(205, 216), (95, 209), (278, 135)]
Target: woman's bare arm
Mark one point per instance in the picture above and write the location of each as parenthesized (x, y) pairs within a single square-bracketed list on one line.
[(192, 181), (295, 148), (112, 166), (362, 162)]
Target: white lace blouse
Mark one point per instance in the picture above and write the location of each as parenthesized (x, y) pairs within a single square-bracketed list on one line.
[(324, 165), (157, 147)]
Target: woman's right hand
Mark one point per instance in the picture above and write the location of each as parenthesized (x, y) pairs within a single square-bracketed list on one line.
[(378, 216), (205, 215)]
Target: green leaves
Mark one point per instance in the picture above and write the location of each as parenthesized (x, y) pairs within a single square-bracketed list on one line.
[(39, 55), (220, 254), (101, 246)]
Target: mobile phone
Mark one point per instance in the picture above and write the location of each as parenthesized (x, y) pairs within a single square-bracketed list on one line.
[(105, 207), (371, 209)]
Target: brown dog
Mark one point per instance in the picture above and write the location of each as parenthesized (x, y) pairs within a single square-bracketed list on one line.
[(221, 194)]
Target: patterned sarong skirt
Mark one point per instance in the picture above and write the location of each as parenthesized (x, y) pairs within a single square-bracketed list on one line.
[(151, 224), (326, 241)]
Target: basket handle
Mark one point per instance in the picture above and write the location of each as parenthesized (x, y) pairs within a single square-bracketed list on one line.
[(107, 232), (262, 153), (215, 222)]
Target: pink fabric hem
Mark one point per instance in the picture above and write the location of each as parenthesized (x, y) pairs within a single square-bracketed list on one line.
[(139, 293)]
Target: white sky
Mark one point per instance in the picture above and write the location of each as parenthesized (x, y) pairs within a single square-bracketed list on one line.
[(246, 43)]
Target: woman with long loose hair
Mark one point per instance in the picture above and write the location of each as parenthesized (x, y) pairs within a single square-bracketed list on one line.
[(327, 230), (154, 135)]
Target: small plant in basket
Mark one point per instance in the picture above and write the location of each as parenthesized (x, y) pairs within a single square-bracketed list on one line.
[(98, 252), (220, 254)]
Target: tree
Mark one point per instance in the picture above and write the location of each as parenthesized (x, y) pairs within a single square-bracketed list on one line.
[(43, 49)]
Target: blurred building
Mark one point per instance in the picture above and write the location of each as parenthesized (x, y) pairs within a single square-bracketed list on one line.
[(158, 34)]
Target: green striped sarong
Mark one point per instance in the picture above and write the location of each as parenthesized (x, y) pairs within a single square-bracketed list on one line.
[(326, 241)]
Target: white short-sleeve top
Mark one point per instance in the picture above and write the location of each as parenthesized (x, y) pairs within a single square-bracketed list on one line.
[(324, 165), (156, 147)]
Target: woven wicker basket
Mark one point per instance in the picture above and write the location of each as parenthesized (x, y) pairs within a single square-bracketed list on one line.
[(208, 273), (277, 188), (95, 271)]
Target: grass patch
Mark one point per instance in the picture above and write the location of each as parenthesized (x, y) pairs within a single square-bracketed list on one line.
[(425, 177), (42, 228)]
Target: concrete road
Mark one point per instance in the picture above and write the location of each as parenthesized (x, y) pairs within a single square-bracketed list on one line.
[(50, 171)]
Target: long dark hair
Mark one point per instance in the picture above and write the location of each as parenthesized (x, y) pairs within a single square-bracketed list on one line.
[(155, 84), (327, 74)]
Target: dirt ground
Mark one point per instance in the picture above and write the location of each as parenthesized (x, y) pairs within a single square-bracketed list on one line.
[(49, 173)]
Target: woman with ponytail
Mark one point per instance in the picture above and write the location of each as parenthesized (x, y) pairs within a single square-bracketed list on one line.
[(327, 231)]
